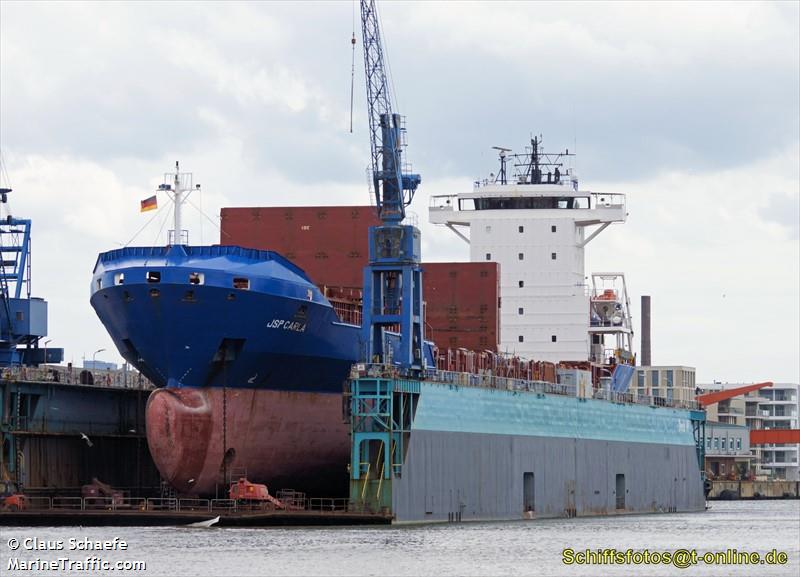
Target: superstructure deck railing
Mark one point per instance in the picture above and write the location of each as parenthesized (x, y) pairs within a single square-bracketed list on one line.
[(487, 380)]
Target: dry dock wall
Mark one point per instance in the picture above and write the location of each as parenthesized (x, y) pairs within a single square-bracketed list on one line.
[(483, 477), (57, 436), (490, 453)]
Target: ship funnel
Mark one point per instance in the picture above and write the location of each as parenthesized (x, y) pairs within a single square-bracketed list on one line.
[(646, 360)]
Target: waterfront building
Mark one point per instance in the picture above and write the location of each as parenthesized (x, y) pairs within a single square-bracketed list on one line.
[(669, 382), (727, 450), (774, 407)]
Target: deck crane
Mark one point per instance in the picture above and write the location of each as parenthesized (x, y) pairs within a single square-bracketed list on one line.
[(393, 277)]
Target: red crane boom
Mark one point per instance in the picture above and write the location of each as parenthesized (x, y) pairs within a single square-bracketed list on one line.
[(711, 398)]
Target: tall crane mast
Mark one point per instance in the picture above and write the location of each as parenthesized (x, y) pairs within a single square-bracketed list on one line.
[(393, 277)]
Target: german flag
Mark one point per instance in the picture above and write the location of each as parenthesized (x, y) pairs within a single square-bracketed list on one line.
[(149, 204)]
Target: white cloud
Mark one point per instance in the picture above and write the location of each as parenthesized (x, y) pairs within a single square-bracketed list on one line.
[(689, 109), (724, 280)]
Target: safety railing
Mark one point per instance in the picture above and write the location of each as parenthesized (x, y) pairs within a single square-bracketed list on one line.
[(78, 376), (67, 503), (597, 200), (322, 505), (56, 423), (223, 505), (115, 503), (636, 399), (194, 505), (491, 381), (318, 505), (108, 503), (292, 499), (162, 504)]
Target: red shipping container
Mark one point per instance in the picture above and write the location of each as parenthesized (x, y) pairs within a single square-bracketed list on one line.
[(462, 304), (331, 244)]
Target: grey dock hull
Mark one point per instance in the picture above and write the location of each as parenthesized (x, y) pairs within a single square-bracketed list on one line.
[(478, 476)]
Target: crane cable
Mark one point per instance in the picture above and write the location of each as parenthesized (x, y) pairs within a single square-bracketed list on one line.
[(353, 66)]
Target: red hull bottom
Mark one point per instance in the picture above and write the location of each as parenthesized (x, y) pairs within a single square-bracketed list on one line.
[(284, 439)]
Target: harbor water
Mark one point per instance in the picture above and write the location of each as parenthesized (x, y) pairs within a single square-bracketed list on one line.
[(480, 549)]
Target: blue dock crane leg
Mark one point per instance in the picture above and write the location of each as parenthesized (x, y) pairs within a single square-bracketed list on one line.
[(393, 277)]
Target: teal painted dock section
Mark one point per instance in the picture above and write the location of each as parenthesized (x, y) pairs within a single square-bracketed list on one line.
[(465, 409)]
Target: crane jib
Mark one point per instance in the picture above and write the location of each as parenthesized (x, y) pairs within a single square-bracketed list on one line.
[(394, 189)]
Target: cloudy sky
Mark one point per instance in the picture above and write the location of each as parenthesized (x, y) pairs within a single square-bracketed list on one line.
[(692, 110)]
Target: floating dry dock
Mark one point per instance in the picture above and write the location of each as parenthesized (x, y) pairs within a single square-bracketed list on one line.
[(459, 447)]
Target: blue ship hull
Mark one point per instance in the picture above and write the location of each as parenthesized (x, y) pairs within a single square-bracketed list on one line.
[(279, 333), (250, 358)]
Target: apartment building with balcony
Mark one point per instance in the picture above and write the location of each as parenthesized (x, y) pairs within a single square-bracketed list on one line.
[(776, 407)]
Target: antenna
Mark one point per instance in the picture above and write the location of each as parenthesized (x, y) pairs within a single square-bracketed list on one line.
[(502, 154)]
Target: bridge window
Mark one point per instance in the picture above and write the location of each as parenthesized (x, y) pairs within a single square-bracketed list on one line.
[(153, 276), (241, 283)]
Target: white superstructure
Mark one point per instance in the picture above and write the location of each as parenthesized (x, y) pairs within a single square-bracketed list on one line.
[(536, 224)]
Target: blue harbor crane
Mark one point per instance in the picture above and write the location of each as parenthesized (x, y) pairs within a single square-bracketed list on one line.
[(23, 319), (393, 277)]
